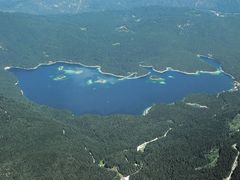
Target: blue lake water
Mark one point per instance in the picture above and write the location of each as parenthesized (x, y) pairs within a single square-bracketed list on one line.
[(85, 90)]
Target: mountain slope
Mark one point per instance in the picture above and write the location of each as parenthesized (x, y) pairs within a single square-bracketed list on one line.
[(37, 142), (41, 143)]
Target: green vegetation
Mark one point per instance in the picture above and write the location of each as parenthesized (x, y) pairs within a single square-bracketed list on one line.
[(212, 158), (235, 124), (101, 163), (32, 142), (162, 38)]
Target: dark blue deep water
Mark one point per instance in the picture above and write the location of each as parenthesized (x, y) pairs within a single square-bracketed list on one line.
[(85, 90)]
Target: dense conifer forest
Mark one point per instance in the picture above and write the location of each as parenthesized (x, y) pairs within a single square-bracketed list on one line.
[(39, 142)]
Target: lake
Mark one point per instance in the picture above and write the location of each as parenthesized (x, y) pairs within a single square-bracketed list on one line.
[(85, 90)]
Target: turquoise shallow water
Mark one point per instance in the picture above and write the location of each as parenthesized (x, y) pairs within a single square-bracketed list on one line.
[(84, 90)]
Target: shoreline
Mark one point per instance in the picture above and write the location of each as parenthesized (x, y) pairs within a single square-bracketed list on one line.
[(65, 62), (98, 67), (133, 76), (220, 69), (217, 72), (147, 110), (198, 72), (130, 76)]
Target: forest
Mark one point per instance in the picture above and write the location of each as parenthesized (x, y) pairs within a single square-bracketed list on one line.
[(38, 142), (33, 144)]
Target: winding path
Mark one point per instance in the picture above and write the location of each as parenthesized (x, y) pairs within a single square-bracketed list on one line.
[(197, 105), (142, 147), (235, 163), (115, 169)]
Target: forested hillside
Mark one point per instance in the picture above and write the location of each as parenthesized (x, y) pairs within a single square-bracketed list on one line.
[(41, 143), (190, 139), (149, 36)]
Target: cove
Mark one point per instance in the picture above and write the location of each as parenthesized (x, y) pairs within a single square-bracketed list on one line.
[(86, 90)]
